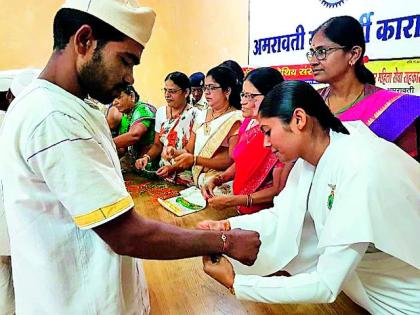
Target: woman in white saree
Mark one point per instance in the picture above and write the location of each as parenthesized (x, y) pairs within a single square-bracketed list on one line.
[(209, 150)]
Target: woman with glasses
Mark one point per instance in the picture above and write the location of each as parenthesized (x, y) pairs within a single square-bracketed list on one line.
[(336, 58), (344, 222), (173, 127), (256, 172), (209, 150)]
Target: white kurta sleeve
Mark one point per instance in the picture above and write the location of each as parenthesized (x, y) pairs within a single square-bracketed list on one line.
[(77, 168), (280, 227), (320, 286)]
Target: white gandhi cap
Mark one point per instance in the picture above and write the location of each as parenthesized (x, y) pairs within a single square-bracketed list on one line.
[(127, 16)]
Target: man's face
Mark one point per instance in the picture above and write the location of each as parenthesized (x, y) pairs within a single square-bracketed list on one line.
[(110, 70), (197, 93)]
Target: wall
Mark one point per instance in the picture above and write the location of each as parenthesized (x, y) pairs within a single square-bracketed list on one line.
[(189, 36)]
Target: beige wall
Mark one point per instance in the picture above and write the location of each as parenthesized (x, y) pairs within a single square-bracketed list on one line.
[(189, 36)]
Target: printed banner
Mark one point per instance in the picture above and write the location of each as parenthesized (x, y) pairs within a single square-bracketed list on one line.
[(280, 35)]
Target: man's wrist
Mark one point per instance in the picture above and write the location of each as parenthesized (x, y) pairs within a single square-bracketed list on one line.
[(223, 237)]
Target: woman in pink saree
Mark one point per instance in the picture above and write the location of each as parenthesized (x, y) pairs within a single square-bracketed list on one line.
[(336, 58), (256, 172)]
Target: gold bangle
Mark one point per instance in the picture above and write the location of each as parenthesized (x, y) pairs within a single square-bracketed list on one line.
[(195, 160), (147, 156)]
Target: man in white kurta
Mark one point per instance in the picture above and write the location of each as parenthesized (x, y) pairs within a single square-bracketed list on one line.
[(52, 219), (349, 224)]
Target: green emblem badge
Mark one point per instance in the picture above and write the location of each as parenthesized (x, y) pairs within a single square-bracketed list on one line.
[(330, 199)]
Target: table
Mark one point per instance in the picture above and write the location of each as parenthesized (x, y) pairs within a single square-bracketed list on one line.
[(180, 287)]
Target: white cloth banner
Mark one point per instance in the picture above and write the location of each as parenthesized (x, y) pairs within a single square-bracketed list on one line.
[(280, 31)]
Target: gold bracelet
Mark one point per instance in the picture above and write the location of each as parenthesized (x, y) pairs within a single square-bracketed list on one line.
[(147, 156)]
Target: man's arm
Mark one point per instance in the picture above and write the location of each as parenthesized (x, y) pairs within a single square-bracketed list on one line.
[(131, 235)]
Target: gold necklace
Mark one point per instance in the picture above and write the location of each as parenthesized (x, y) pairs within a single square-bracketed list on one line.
[(207, 127)]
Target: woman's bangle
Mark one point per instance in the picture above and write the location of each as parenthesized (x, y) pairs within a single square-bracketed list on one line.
[(147, 156), (195, 160), (249, 201)]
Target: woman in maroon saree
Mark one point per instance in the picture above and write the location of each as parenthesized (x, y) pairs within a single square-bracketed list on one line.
[(256, 173)]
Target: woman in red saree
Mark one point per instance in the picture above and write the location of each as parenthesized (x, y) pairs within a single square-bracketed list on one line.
[(336, 58), (256, 172)]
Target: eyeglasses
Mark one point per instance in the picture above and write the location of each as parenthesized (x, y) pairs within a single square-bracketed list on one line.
[(249, 96), (170, 91), (321, 53), (211, 88)]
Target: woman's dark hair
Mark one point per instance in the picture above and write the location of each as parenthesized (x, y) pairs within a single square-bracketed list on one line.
[(227, 79), (236, 68), (346, 31), (68, 21), (179, 79), (130, 89), (285, 97), (264, 79)]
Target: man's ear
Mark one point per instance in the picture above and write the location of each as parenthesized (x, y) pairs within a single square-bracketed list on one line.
[(83, 40)]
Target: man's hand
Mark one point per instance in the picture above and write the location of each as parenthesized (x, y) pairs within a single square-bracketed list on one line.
[(221, 271), (243, 245)]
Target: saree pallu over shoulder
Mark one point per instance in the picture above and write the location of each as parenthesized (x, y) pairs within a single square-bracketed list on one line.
[(254, 164), (388, 114), (215, 140)]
